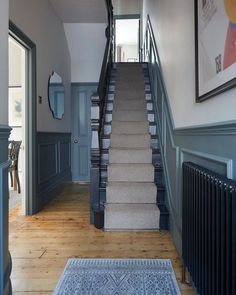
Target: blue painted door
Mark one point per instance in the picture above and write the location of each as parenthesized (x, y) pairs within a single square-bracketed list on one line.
[(81, 131)]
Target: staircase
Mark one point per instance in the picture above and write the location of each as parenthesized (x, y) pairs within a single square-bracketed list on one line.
[(131, 192), (127, 189)]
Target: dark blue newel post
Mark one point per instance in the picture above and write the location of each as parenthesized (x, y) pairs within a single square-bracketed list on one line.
[(5, 257)]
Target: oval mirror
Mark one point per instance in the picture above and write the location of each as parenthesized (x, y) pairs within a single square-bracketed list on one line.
[(56, 95)]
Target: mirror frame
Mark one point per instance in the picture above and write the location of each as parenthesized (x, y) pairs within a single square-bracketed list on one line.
[(49, 102)]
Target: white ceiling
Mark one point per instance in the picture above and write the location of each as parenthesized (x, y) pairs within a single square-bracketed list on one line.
[(80, 11)]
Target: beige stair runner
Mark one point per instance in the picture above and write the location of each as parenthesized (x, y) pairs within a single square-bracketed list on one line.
[(131, 191)]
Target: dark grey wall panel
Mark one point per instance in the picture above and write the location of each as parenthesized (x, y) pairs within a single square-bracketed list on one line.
[(49, 168), (65, 156), (54, 164), (5, 258)]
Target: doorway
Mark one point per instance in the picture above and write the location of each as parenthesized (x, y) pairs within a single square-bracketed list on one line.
[(22, 119), (127, 38), (16, 120)]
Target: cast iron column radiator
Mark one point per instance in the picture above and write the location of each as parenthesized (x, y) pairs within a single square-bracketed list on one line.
[(209, 230)]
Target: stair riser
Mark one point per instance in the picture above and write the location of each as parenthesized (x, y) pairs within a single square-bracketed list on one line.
[(129, 73), (130, 105), (130, 156), (130, 141), (134, 76), (131, 195), (126, 85), (126, 76), (131, 220), (129, 95), (129, 128), (127, 79), (142, 174), (125, 99), (132, 116)]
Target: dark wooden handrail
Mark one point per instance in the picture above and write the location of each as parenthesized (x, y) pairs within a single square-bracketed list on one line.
[(149, 41), (107, 60)]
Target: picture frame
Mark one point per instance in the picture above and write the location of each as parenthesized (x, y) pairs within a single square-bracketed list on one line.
[(215, 47)]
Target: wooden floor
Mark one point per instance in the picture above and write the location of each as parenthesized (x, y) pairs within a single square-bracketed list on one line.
[(40, 245)]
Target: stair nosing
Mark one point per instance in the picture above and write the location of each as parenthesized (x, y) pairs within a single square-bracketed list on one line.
[(114, 120), (128, 148), (128, 134), (131, 182), (129, 164)]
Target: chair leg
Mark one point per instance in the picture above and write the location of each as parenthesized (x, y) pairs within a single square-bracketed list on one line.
[(18, 181), (11, 178)]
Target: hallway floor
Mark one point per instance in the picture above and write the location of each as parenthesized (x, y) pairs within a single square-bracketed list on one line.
[(41, 244)]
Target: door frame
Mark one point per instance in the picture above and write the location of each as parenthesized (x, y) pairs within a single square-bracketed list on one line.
[(126, 16), (30, 118), (77, 84)]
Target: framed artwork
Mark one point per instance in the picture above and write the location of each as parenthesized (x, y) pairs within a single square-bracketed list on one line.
[(215, 43), (15, 106)]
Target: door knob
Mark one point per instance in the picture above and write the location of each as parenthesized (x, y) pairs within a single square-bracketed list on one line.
[(76, 141)]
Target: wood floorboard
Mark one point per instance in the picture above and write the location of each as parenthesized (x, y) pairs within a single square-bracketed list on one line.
[(41, 244)]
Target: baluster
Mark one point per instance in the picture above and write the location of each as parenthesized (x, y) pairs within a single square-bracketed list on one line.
[(95, 156)]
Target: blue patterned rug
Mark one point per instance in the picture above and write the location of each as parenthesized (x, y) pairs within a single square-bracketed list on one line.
[(118, 277)]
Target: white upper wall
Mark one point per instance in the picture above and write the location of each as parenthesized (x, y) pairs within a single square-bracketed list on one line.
[(122, 7), (82, 11), (4, 62), (173, 25), (86, 44), (39, 22)]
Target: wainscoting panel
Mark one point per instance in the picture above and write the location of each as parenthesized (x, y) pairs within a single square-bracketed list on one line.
[(65, 156), (47, 169), (54, 165), (221, 165), (212, 147), (5, 257)]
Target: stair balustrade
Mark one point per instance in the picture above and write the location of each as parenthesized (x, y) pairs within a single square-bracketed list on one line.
[(98, 104)]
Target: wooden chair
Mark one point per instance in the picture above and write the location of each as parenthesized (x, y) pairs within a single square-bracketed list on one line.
[(14, 158)]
